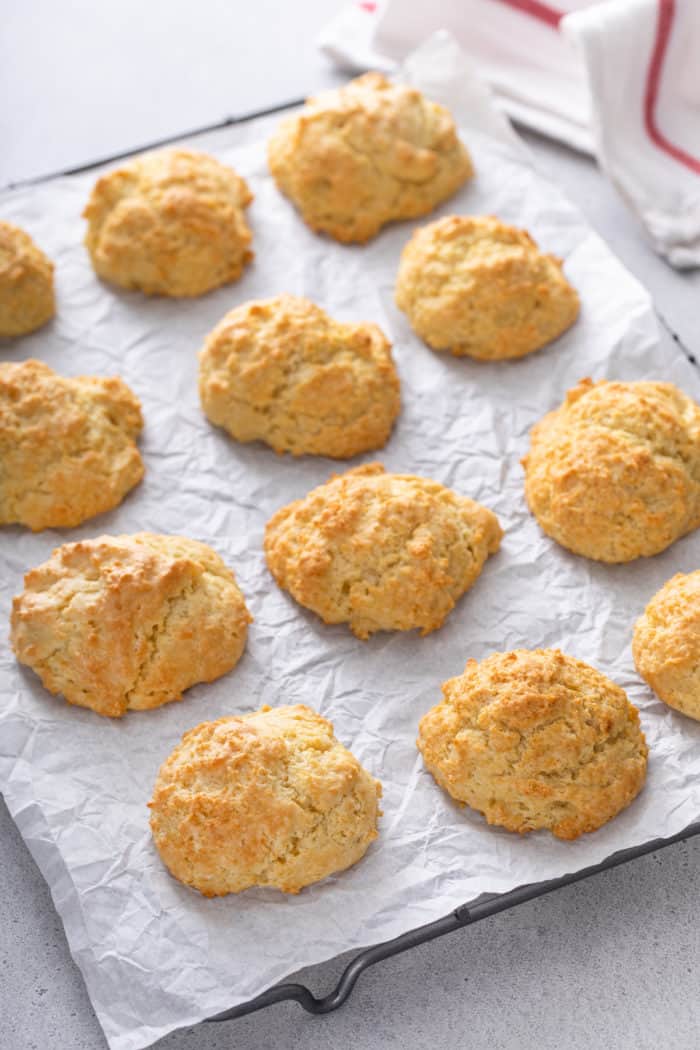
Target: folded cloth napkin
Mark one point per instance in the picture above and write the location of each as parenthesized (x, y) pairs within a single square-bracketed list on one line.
[(618, 78)]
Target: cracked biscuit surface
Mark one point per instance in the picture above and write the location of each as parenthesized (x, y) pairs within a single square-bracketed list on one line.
[(123, 623), (366, 154), (380, 552), (475, 287), (26, 283), (666, 643), (284, 372), (67, 446), (266, 799), (169, 223), (614, 473), (536, 739)]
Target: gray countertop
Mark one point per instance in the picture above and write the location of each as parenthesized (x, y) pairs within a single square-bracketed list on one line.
[(609, 962)]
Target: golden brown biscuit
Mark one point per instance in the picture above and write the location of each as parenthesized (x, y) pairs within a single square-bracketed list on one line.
[(268, 799), (124, 623), (284, 372), (479, 288), (366, 154), (380, 552), (536, 739), (67, 446), (614, 473), (26, 283), (666, 644), (169, 223)]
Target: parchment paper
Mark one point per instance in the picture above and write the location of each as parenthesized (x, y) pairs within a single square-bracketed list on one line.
[(154, 954)]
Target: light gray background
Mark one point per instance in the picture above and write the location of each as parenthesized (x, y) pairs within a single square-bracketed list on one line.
[(611, 962)]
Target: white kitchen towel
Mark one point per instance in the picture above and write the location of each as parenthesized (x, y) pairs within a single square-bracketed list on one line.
[(642, 59), (618, 78)]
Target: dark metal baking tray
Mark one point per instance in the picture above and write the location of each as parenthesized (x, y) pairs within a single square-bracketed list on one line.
[(466, 914)]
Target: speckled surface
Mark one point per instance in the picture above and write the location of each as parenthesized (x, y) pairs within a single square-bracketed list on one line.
[(611, 962)]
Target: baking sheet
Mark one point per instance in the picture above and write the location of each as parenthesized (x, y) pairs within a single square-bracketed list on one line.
[(154, 954)]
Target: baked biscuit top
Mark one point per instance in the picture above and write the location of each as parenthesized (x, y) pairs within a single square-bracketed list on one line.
[(67, 446), (536, 739), (265, 799), (476, 287), (380, 551), (123, 623), (169, 223), (614, 473), (26, 283), (366, 154), (666, 643), (283, 371)]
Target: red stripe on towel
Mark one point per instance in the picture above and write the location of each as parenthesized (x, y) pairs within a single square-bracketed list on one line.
[(545, 12), (666, 12)]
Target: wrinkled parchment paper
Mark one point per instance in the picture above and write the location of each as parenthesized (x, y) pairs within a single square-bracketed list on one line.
[(154, 954)]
